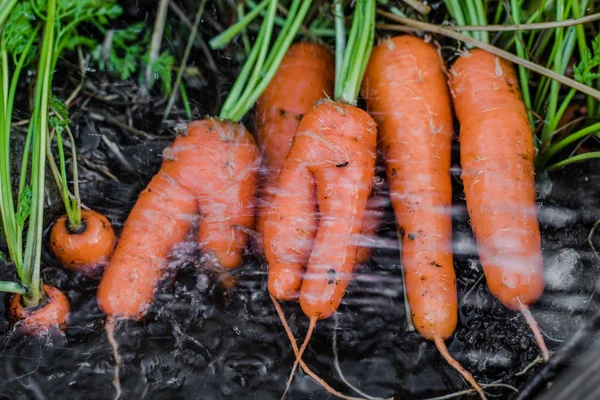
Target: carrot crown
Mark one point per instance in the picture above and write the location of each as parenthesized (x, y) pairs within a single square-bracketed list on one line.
[(262, 62), (351, 58)]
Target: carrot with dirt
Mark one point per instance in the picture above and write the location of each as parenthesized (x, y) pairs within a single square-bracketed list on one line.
[(81, 240), (406, 92), (305, 75), (325, 183), (278, 113), (210, 174), (497, 158), (219, 186)]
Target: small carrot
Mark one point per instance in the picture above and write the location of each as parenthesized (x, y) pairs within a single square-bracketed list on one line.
[(497, 158), (324, 187), (50, 316), (81, 240), (211, 171), (406, 92), (86, 249)]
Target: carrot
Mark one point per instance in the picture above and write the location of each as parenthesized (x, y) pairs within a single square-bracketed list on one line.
[(52, 315), (211, 171), (319, 205), (278, 113), (371, 222), (305, 75), (406, 92), (497, 157), (84, 250), (81, 240)]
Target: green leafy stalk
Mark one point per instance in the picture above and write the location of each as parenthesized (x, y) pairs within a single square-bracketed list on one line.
[(581, 43), (12, 287), (572, 138), (246, 91), (12, 225), (574, 159), (33, 246), (523, 73), (6, 7), (223, 39), (340, 38), (357, 52)]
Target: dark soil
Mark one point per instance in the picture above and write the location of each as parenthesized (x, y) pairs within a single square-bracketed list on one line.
[(198, 342)]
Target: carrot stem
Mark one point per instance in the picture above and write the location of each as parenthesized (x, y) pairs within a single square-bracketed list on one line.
[(261, 62), (533, 325), (223, 39), (5, 11), (303, 365), (13, 231), (574, 159), (439, 343), (556, 147), (357, 52), (34, 241)]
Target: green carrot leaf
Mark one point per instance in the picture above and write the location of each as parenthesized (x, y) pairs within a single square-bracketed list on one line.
[(162, 68), (24, 207), (18, 28)]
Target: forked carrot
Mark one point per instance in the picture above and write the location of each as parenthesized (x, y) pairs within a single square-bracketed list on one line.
[(210, 173), (305, 75), (406, 92), (325, 184), (497, 158)]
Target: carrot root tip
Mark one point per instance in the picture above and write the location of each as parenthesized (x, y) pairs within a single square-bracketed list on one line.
[(439, 343), (537, 332), (109, 326)]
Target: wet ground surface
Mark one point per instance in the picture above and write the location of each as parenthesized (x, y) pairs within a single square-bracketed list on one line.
[(197, 342)]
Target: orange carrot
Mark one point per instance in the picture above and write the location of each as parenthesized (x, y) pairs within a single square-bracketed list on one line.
[(406, 92), (86, 250), (50, 316), (305, 75), (317, 212), (497, 157), (211, 171), (278, 113), (333, 156)]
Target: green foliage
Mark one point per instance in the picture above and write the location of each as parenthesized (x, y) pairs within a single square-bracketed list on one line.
[(24, 206), (162, 68), (589, 61), (18, 29), (60, 120), (127, 46), (125, 52)]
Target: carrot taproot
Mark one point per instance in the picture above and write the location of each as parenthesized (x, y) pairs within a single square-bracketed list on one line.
[(211, 171), (52, 315), (497, 158), (87, 249), (406, 92)]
